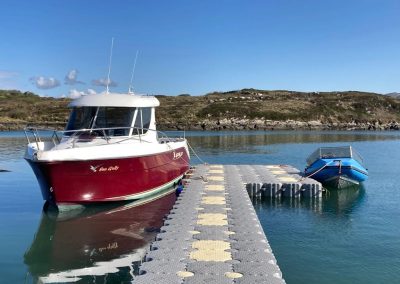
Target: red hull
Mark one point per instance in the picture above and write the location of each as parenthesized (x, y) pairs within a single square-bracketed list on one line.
[(108, 180)]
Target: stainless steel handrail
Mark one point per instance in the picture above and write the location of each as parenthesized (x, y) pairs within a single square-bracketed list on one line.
[(334, 152), (35, 134), (77, 132)]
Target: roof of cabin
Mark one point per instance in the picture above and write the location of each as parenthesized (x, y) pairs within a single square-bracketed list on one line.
[(115, 100)]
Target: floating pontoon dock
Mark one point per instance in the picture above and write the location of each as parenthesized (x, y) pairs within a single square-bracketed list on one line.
[(213, 235)]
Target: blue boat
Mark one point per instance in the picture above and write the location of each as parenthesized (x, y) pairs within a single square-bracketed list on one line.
[(336, 166)]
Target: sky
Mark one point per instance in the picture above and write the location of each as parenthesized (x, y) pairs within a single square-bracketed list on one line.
[(62, 48)]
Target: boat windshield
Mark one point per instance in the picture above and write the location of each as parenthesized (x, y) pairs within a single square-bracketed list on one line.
[(119, 118), (334, 152)]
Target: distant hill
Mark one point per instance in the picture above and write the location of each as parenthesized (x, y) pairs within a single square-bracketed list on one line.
[(18, 109), (241, 109), (394, 95)]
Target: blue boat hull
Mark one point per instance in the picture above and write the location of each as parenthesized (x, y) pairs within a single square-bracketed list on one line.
[(337, 172)]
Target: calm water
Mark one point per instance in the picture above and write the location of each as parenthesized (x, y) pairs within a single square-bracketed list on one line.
[(350, 236)]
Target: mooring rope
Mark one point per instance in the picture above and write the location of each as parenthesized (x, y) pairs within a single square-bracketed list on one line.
[(203, 178), (317, 171), (194, 152)]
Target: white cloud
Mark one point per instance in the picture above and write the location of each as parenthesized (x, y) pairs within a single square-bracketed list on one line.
[(72, 78), (45, 82), (103, 82), (91, 92), (74, 94)]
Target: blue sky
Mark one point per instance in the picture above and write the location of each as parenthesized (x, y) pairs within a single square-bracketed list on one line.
[(200, 46)]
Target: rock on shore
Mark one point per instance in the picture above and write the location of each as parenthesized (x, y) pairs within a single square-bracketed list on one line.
[(258, 124)]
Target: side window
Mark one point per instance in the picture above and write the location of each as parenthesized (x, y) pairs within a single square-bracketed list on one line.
[(142, 122), (146, 115)]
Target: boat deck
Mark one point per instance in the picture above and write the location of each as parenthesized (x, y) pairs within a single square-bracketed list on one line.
[(213, 235)]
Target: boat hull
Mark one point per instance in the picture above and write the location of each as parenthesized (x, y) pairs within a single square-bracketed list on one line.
[(128, 178), (337, 172), (340, 181)]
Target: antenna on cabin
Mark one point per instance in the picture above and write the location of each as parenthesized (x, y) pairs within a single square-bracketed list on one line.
[(130, 89), (109, 65)]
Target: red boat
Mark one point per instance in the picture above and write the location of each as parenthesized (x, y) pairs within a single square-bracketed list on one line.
[(109, 151)]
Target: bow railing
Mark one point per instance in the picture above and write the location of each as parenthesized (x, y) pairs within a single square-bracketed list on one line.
[(110, 135)]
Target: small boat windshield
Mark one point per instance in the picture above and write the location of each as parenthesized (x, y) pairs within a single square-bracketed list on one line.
[(118, 118), (333, 153)]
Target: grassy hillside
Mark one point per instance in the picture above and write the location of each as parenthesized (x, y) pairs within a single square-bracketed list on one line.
[(250, 104), (18, 109)]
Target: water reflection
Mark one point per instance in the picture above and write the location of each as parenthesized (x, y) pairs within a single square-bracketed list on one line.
[(344, 201), (100, 243), (334, 202), (213, 143), (11, 148)]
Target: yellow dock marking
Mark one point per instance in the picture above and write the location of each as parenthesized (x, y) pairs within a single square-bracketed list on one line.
[(213, 200), (216, 166), (211, 250), (214, 187), (278, 172), (211, 245), (233, 275), (216, 178), (212, 219), (215, 171), (287, 179), (184, 274), (211, 255)]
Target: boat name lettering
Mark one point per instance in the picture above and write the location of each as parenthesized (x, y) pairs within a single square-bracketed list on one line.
[(114, 245), (177, 155), (109, 169)]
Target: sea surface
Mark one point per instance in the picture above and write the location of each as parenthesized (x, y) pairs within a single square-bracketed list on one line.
[(349, 236)]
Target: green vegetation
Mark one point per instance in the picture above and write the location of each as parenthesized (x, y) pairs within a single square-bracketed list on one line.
[(20, 109), (184, 111), (280, 105)]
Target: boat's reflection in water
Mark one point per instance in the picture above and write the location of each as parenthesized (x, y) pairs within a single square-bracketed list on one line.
[(99, 243), (345, 200), (334, 201)]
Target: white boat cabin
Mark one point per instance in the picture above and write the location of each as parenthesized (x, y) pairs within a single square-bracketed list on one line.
[(112, 117), (105, 126)]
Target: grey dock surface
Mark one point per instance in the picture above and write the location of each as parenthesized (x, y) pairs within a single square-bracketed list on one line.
[(213, 235)]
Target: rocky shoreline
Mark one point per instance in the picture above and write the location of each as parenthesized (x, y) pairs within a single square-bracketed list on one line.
[(247, 124), (240, 124)]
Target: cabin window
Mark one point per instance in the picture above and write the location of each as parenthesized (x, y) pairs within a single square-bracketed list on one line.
[(118, 118), (80, 118), (142, 122), (146, 116)]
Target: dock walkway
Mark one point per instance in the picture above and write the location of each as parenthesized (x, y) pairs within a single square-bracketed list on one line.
[(213, 235)]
